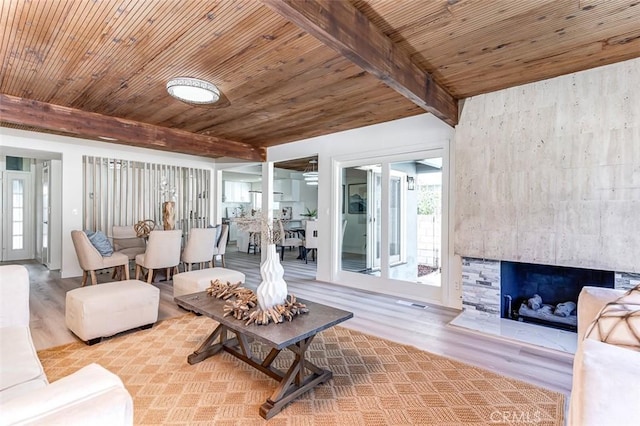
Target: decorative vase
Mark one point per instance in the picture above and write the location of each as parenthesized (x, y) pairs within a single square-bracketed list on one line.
[(273, 289), (168, 215)]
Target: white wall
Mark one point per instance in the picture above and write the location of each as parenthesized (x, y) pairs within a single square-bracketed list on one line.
[(401, 136), (549, 172), (71, 150), (411, 134)]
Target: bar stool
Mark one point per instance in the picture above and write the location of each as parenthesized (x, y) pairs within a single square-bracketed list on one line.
[(254, 242)]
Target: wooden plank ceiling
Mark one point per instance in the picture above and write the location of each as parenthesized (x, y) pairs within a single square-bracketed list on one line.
[(288, 69)]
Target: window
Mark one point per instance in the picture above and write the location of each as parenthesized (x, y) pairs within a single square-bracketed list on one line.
[(17, 223)]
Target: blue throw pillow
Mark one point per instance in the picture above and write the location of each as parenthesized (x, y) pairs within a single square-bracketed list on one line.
[(100, 242), (218, 232)]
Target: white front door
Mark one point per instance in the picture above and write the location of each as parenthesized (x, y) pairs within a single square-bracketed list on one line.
[(17, 216)]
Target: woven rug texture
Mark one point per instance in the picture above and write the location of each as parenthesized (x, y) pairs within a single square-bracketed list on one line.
[(375, 382)]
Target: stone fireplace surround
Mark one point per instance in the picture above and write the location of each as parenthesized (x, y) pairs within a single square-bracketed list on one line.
[(547, 173), (482, 302)]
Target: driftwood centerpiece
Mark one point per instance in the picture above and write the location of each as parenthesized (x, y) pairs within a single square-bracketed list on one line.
[(244, 304)]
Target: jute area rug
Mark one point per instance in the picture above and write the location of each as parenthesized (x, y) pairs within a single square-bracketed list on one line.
[(375, 382)]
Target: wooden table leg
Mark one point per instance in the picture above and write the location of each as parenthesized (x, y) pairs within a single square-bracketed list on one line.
[(208, 347), (295, 382)]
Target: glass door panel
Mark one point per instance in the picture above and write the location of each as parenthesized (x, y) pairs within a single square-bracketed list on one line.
[(415, 220), (374, 218), (18, 228), (45, 214), (361, 218), (396, 221), (430, 253)]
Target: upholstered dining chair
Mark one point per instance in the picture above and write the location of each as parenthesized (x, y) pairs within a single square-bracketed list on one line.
[(221, 247), (126, 241), (286, 241), (91, 260), (199, 248), (163, 252), (310, 242)]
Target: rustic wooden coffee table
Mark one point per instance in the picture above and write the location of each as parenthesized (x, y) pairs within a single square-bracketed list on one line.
[(296, 336)]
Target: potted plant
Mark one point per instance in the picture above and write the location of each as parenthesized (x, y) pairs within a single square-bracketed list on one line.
[(310, 214)]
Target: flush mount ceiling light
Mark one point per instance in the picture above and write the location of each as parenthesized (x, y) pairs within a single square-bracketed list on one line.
[(193, 90)]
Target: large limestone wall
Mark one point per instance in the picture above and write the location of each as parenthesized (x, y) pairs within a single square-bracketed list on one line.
[(549, 172)]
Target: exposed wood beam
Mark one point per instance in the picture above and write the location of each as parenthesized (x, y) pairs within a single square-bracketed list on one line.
[(56, 118), (339, 25)]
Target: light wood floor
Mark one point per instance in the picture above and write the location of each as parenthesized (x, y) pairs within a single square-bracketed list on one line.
[(380, 315)]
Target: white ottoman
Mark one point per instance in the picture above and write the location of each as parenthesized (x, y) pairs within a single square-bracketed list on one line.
[(200, 280), (103, 310)]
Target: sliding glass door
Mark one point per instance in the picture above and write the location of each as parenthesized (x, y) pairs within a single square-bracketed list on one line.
[(392, 219)]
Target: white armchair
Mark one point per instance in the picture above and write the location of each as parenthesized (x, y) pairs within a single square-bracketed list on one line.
[(91, 395), (163, 252)]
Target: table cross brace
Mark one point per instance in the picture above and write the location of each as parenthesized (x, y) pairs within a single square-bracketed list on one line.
[(292, 383)]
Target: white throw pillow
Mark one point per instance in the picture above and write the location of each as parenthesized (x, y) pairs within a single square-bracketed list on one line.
[(618, 322)]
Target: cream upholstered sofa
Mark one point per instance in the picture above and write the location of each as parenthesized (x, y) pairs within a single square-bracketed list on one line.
[(606, 367), (91, 395)]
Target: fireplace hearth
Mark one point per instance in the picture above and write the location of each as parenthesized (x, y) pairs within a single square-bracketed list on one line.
[(483, 300)]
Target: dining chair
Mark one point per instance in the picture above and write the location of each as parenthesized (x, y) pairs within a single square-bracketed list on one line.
[(127, 242), (199, 248), (221, 247), (286, 241), (91, 260), (310, 241), (163, 252)]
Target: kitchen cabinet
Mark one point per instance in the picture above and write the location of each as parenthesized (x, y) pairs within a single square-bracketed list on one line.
[(290, 189), (236, 192)]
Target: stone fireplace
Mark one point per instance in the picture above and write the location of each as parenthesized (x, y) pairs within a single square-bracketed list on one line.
[(486, 284)]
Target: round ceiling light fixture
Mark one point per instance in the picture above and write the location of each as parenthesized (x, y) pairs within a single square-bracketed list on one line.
[(193, 90)]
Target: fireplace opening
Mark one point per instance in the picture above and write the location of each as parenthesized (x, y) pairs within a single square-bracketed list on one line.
[(546, 294)]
